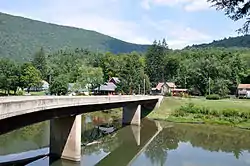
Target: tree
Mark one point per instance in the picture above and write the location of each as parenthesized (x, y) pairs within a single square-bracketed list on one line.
[(90, 75), (9, 75), (30, 76), (59, 85), (40, 63), (235, 10), (131, 73), (171, 67), (110, 65), (155, 63)]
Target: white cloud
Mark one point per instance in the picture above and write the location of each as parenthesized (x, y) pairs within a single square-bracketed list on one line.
[(187, 5), (177, 34), (197, 5), (145, 4)]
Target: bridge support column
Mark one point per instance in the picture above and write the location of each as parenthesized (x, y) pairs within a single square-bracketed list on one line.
[(132, 114), (65, 138)]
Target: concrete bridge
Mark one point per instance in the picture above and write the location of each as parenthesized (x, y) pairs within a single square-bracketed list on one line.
[(64, 113)]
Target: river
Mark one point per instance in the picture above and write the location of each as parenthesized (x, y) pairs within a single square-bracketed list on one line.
[(154, 143)]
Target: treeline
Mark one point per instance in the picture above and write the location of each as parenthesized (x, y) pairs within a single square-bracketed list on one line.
[(202, 71)]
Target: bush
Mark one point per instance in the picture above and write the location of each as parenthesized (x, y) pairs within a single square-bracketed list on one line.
[(213, 97), (168, 94), (20, 93)]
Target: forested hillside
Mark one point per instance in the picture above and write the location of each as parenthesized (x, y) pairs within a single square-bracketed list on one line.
[(21, 37), (240, 42)]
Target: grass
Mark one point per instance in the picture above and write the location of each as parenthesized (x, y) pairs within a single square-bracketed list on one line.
[(232, 112), (41, 93)]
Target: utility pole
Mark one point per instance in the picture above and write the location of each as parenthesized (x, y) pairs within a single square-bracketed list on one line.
[(209, 85), (144, 82), (185, 82), (139, 89)]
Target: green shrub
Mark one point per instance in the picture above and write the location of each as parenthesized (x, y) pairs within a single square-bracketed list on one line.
[(215, 113), (168, 94), (245, 115), (20, 93), (178, 113), (213, 97), (230, 113)]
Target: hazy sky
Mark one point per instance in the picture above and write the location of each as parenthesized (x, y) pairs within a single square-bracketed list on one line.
[(181, 22)]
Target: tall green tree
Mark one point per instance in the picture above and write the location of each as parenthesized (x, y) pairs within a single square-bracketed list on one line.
[(9, 75), (155, 63), (30, 76), (40, 63), (92, 76), (59, 86)]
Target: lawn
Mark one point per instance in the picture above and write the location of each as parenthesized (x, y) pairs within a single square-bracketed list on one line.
[(171, 105), (41, 93)]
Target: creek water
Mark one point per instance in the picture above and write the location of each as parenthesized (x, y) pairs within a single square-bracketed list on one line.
[(106, 142)]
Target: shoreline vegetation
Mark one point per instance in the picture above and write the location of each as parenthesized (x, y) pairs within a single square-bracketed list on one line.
[(230, 112)]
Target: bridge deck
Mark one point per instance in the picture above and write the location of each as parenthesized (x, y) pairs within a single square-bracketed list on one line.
[(14, 106)]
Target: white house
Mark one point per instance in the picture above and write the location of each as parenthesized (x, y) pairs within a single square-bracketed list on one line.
[(163, 88), (43, 87), (243, 90)]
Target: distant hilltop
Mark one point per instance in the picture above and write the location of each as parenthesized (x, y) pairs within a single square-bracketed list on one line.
[(236, 42), (22, 37)]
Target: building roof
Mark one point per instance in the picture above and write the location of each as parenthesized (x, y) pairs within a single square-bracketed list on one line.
[(44, 82), (160, 84), (244, 86), (171, 84), (110, 86), (115, 79)]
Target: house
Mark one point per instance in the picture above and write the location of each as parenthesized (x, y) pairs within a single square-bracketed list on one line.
[(106, 89), (179, 92), (168, 88), (44, 85), (163, 88), (243, 90)]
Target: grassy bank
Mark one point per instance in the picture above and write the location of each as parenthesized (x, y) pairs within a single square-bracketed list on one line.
[(232, 112)]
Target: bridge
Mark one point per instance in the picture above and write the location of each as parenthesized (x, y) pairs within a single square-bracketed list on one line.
[(64, 113)]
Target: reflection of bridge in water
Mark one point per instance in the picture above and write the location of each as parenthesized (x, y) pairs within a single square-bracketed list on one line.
[(132, 141), (135, 139)]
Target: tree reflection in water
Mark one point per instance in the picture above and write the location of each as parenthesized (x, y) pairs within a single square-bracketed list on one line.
[(208, 137)]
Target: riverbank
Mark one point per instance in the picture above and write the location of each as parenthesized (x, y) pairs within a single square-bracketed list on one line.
[(232, 112)]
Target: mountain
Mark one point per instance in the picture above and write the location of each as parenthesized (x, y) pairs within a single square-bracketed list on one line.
[(20, 38), (239, 42)]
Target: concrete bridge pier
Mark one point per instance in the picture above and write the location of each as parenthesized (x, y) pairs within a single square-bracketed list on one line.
[(131, 114), (65, 138)]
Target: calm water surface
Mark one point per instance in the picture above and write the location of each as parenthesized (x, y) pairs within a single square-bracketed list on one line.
[(154, 143)]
